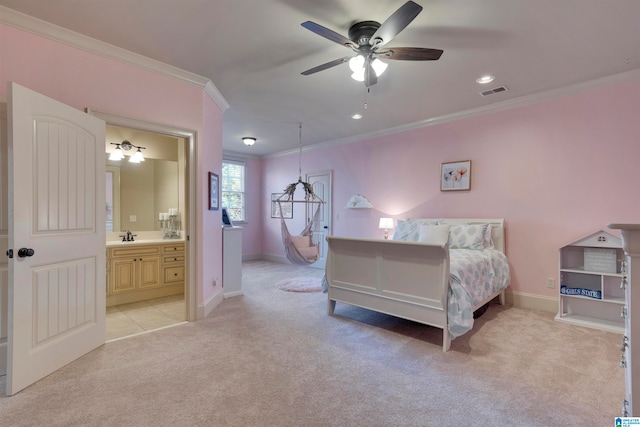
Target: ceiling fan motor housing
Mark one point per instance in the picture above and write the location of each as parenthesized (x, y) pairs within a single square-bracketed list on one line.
[(360, 32)]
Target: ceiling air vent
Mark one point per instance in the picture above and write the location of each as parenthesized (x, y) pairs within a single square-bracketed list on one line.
[(492, 91)]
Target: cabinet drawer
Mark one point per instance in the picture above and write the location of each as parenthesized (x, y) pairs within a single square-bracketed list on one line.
[(135, 251), (173, 274), (172, 259), (173, 248)]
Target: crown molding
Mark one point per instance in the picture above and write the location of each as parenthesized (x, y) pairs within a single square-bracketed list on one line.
[(495, 107), (54, 32)]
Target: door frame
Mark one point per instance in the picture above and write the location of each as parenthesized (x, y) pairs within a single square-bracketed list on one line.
[(190, 193), (329, 206)]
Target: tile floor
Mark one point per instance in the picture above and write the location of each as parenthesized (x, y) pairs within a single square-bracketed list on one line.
[(143, 316)]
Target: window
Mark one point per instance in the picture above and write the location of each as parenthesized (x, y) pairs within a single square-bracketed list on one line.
[(232, 188)]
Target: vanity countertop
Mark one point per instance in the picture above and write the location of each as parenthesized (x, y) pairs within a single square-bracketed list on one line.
[(111, 243)]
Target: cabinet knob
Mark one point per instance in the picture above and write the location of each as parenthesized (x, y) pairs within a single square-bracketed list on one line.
[(623, 361), (623, 312), (175, 259)]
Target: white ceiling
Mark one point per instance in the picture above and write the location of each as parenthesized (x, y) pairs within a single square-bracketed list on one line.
[(253, 51)]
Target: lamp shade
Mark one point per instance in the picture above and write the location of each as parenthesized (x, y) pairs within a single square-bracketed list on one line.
[(386, 223)]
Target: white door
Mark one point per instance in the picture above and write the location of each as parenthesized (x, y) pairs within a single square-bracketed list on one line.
[(57, 209), (321, 183)]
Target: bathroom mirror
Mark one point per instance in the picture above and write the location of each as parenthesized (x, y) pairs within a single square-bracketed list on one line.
[(139, 192)]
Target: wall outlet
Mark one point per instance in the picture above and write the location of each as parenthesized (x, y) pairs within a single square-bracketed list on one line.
[(133, 218), (215, 282), (551, 283)]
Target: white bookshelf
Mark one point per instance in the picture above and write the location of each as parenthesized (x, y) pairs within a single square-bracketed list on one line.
[(590, 292)]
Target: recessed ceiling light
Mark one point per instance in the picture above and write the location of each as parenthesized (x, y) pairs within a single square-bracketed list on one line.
[(485, 79), (356, 116)]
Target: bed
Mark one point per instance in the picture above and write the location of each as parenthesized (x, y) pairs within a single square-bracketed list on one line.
[(435, 271)]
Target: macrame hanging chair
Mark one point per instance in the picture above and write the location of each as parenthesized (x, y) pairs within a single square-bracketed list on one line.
[(300, 249)]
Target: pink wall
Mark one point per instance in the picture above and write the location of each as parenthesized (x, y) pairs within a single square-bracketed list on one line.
[(82, 79), (556, 171)]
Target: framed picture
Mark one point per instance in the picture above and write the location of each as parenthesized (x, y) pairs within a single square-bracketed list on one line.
[(455, 176), (287, 207), (214, 192)]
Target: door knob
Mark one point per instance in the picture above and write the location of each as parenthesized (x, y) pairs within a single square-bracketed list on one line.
[(25, 252)]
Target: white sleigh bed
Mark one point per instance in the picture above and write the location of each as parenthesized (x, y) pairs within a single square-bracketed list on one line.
[(420, 281)]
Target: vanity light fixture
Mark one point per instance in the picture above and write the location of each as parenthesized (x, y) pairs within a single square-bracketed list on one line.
[(118, 152), (248, 140)]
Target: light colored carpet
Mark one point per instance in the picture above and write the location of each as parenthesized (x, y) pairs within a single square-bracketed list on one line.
[(301, 284), (273, 358)]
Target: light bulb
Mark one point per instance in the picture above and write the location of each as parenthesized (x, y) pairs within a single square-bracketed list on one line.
[(356, 63), (137, 157), (379, 66), (116, 154)]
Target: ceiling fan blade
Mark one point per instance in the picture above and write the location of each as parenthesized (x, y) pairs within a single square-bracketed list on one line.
[(325, 66), (395, 23), (411, 54), (328, 34), (370, 77)]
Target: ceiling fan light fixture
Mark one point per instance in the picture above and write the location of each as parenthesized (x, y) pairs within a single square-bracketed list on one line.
[(357, 64), (379, 67), (358, 75), (248, 140)]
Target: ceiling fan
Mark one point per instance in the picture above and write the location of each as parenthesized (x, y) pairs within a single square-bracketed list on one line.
[(367, 39)]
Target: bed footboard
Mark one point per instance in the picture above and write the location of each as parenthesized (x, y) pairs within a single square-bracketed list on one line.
[(404, 279)]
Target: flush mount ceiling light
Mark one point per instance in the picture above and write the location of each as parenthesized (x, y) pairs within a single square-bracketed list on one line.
[(356, 116), (118, 152), (248, 140), (483, 80)]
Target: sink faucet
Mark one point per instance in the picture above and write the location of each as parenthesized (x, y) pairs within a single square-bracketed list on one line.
[(128, 236)]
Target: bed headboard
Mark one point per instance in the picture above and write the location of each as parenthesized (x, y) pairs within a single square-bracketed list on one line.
[(497, 227)]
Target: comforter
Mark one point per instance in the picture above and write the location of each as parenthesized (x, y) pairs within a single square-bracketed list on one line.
[(474, 276)]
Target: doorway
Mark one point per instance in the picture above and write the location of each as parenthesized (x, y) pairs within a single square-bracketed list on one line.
[(152, 311)]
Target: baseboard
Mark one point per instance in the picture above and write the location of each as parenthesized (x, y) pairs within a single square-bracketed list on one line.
[(532, 302), (206, 309), (275, 258), (252, 257), (232, 294)]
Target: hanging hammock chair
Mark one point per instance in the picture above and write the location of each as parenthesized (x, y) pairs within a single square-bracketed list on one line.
[(300, 250)]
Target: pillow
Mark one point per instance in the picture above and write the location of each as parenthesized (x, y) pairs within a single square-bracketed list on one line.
[(434, 234), (409, 230), (467, 236), (488, 238), (310, 253), (301, 241), (405, 230)]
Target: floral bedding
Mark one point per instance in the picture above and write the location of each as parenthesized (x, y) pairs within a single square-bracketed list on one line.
[(475, 275)]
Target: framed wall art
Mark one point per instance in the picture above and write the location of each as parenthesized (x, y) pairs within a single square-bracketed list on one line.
[(287, 207), (455, 176), (214, 192)]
